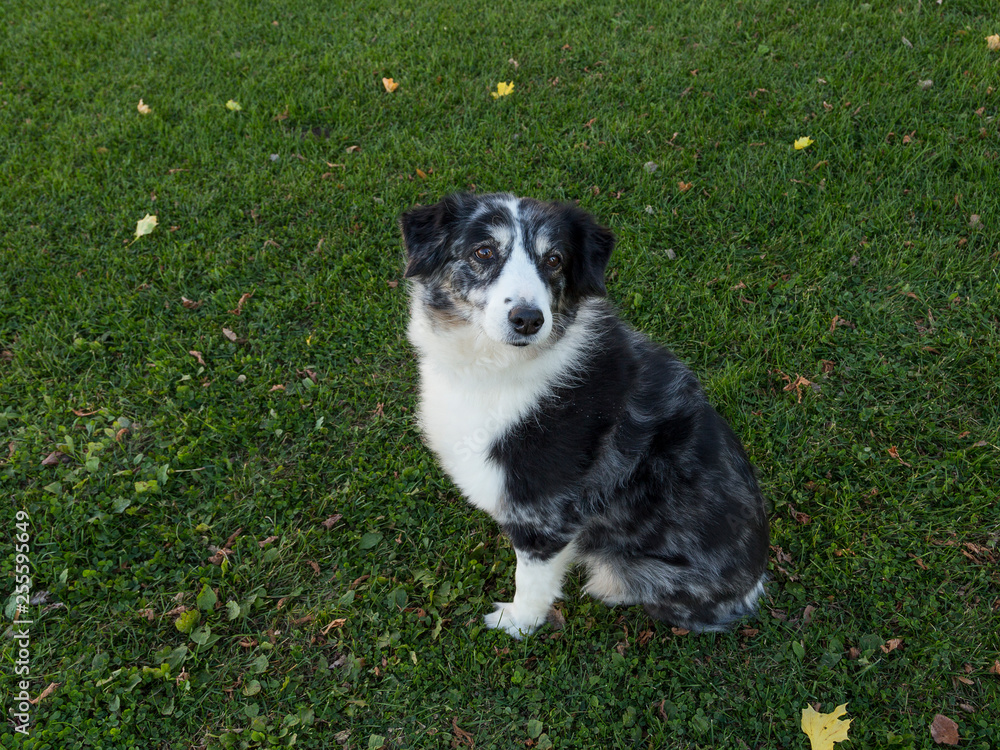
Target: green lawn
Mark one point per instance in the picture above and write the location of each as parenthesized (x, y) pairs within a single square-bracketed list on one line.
[(840, 302)]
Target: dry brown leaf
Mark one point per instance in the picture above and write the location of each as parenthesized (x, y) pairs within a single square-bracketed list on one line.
[(679, 631), (684, 186), (944, 731), (799, 516), (190, 304), (353, 149), (278, 387), (329, 523), (264, 542), (891, 645), (55, 458), (315, 566), (461, 736), (338, 623), (239, 305), (197, 356), (797, 385), (995, 668), (389, 84), (229, 334), (45, 693), (807, 614), (895, 454)]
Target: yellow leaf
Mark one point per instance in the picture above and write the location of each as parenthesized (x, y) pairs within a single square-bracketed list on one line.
[(390, 85), (803, 142), (233, 106), (825, 729), (144, 109), (993, 42), (145, 225), (502, 89)]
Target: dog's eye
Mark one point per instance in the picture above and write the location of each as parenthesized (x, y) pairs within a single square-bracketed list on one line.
[(553, 261), (484, 253)]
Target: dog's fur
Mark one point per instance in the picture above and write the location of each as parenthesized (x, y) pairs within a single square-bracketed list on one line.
[(581, 438)]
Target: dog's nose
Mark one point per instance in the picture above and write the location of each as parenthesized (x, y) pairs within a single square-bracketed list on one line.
[(526, 320)]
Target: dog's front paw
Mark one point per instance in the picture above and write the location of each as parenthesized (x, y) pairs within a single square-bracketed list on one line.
[(507, 618)]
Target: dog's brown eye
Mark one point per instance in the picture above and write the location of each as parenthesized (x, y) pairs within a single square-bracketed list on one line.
[(484, 253), (553, 261)]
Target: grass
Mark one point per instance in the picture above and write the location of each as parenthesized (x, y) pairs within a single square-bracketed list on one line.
[(347, 609)]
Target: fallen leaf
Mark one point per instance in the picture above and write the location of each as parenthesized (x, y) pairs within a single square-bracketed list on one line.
[(807, 614), (993, 42), (650, 166), (684, 186), (190, 304), (944, 731), (329, 523), (679, 631), (803, 142), (797, 385), (926, 85), (316, 569), (798, 515), (197, 356), (145, 225), (278, 387), (55, 458), (461, 736), (750, 632), (45, 693), (354, 149), (144, 109), (239, 305), (503, 89), (233, 106), (338, 623), (264, 542), (825, 729), (229, 334), (421, 174), (895, 454), (891, 645), (974, 221), (390, 85)]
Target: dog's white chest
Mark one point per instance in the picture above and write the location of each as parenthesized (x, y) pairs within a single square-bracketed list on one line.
[(462, 419)]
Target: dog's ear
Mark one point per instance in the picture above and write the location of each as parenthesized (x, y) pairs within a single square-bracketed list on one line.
[(591, 246), (427, 230)]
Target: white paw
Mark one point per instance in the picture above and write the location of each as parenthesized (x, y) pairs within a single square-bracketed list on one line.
[(507, 618)]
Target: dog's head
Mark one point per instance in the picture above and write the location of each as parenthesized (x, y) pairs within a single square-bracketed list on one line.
[(514, 267)]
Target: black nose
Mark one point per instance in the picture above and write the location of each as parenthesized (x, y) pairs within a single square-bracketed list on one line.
[(526, 320)]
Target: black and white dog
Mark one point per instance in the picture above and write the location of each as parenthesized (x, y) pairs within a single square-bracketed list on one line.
[(585, 441)]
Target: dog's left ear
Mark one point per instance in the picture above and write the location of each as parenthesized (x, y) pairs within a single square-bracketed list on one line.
[(591, 248), (427, 231)]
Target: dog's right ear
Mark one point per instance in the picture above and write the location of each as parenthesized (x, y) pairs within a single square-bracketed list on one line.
[(427, 231)]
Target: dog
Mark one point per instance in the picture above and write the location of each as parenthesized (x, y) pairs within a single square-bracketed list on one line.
[(585, 441)]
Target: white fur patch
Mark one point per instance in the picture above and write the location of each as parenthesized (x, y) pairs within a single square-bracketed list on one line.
[(537, 586), (472, 389)]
